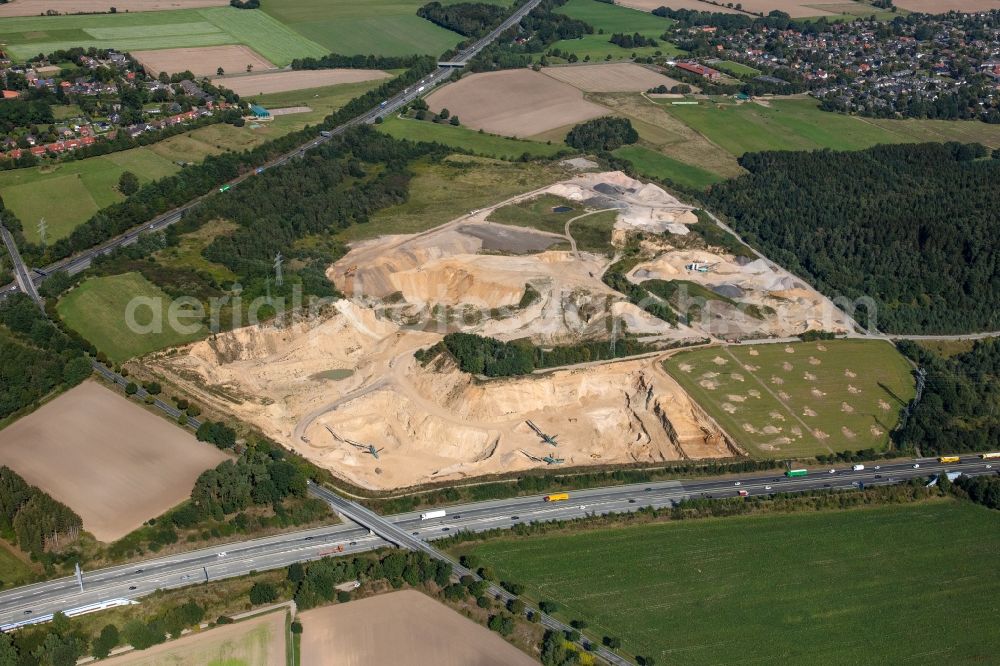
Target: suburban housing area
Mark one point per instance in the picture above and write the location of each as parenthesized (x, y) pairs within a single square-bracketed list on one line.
[(509, 332)]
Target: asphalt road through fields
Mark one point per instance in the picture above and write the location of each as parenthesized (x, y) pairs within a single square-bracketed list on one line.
[(132, 581)]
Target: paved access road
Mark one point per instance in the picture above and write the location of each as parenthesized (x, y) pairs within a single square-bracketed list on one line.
[(80, 262), (174, 571)]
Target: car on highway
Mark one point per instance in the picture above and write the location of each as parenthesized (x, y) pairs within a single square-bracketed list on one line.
[(131, 587), (354, 543), (138, 570), (737, 483), (445, 529), (878, 467), (27, 612), (833, 471), (878, 476), (989, 467), (631, 500), (515, 517), (309, 538), (826, 485), (916, 465), (767, 487), (222, 554)]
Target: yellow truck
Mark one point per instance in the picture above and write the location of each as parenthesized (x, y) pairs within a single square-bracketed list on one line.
[(556, 497)]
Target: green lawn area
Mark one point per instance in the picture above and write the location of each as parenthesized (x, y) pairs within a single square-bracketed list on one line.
[(83, 187), (538, 213), (833, 587), (381, 27), (657, 165), (613, 19), (98, 309), (13, 571), (323, 101), (441, 192), (490, 145), (187, 254), (25, 36), (593, 232), (799, 124), (735, 68), (833, 395)]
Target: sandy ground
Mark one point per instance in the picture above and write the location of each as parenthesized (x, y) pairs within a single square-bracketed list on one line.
[(617, 77), (942, 6), (256, 642), (517, 102), (202, 60), (111, 461), (697, 5), (424, 633), (36, 7), (272, 82)]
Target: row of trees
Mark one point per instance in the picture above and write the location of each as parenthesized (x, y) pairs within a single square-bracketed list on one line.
[(960, 408), (635, 40), (602, 134), (983, 490), (337, 60), (911, 227), (471, 19), (541, 28), (31, 518)]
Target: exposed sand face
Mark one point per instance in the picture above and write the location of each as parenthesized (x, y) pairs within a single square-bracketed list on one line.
[(36, 7), (202, 60), (272, 82), (617, 77), (424, 633), (515, 102), (108, 459)]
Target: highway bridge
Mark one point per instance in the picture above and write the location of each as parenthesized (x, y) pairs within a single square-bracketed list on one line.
[(138, 579)]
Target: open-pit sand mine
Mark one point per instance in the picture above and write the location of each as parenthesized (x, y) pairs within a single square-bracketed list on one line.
[(331, 385)]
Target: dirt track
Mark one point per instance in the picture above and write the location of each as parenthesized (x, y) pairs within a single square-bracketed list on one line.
[(517, 102), (201, 61), (108, 459), (36, 7), (272, 82), (424, 633)]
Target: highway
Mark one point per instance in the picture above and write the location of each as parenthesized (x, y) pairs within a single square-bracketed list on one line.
[(82, 261), (223, 561)]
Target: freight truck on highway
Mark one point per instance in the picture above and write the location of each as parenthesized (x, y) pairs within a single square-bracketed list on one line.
[(438, 513), (796, 472), (556, 497)]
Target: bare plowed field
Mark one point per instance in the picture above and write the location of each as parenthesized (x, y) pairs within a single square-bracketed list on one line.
[(36, 7), (794, 8), (696, 5), (942, 6), (201, 61), (108, 459), (424, 633), (514, 103), (256, 642), (618, 77), (274, 82)]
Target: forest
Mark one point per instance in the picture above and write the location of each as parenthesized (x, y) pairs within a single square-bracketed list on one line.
[(542, 27), (906, 232), (602, 134), (36, 357), (31, 519), (471, 19), (960, 408)]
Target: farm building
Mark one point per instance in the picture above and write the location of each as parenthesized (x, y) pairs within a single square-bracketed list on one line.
[(700, 70)]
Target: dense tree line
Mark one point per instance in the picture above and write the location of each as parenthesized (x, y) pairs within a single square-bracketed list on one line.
[(36, 357), (960, 408), (912, 227), (245, 4), (16, 113), (336, 60), (541, 28), (471, 19), (635, 40), (31, 518), (983, 490), (602, 134)]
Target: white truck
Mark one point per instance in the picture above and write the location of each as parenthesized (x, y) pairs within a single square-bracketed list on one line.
[(439, 513), (858, 468)]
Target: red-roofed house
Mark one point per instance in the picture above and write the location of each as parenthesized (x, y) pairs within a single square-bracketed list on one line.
[(700, 70)]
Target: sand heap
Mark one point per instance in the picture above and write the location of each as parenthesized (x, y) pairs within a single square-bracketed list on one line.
[(782, 305), (434, 422)]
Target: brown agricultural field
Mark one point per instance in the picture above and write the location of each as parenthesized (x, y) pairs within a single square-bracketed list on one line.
[(274, 82), (514, 102), (617, 77), (36, 7), (105, 457), (696, 5), (424, 633), (202, 60), (942, 6), (794, 8)]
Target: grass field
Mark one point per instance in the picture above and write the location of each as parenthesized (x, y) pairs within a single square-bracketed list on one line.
[(490, 145), (97, 310), (13, 570), (187, 254), (735, 68), (83, 187), (538, 213), (799, 124), (800, 399), (214, 26), (441, 192), (657, 165), (381, 27), (837, 587), (612, 19)]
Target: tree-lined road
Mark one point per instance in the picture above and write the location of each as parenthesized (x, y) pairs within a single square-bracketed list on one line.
[(235, 559)]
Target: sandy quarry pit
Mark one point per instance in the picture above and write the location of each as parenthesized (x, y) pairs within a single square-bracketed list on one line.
[(787, 305)]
